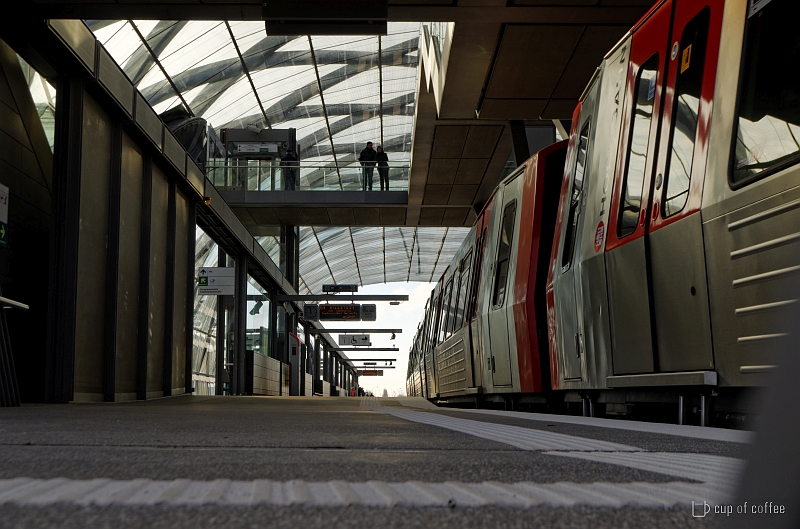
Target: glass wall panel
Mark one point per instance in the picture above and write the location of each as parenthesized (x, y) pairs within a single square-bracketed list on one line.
[(204, 366), (257, 318), (44, 98)]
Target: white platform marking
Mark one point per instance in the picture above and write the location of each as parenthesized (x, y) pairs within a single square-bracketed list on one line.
[(525, 438), (39, 492)]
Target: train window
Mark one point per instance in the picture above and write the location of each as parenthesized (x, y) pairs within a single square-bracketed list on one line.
[(504, 254), (632, 186), (690, 63), (453, 304), (575, 197), (768, 129), (445, 311), (472, 308), (431, 337), (466, 267)]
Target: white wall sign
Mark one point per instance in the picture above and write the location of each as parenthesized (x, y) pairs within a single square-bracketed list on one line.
[(216, 281), (354, 339)]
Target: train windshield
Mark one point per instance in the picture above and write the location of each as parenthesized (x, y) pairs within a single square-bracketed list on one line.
[(768, 132)]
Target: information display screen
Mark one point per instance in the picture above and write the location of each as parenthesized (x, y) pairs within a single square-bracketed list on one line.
[(340, 312)]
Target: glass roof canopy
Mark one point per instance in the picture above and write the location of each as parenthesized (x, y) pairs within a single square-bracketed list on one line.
[(338, 92), (368, 256)]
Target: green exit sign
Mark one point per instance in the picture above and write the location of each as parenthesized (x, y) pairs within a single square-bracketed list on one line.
[(202, 281)]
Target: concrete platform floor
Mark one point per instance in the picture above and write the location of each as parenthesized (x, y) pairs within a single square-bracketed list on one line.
[(350, 462)]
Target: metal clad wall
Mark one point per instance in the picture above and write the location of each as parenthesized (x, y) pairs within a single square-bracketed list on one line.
[(156, 316), (183, 263), (130, 235), (92, 251)]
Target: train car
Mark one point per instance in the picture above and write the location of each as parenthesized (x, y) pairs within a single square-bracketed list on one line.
[(676, 240)]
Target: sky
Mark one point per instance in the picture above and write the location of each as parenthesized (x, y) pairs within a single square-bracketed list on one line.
[(405, 316)]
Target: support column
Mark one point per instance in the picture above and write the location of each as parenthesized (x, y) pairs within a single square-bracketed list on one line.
[(112, 260), (144, 279), (240, 322), (317, 375), (520, 142), (66, 226), (192, 242), (222, 259), (169, 301), (291, 257)]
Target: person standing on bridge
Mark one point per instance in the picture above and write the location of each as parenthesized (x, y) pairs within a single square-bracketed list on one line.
[(383, 168), (367, 159), (289, 164)]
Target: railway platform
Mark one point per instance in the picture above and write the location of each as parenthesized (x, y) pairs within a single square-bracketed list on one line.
[(196, 461)]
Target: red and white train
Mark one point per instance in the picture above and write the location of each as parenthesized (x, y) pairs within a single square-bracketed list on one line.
[(654, 255)]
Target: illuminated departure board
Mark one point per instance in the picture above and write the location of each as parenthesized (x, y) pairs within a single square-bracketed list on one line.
[(340, 312)]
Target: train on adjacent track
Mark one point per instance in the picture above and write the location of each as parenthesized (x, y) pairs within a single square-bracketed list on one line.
[(654, 256)]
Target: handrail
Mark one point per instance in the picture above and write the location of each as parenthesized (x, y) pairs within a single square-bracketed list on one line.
[(10, 303)]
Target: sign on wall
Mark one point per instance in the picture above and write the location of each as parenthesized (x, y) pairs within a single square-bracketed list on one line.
[(216, 281)]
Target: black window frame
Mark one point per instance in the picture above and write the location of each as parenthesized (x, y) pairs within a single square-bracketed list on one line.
[(572, 211), (512, 205), (773, 169), (676, 104), (624, 184)]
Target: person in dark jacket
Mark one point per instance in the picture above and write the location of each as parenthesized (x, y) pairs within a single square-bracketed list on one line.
[(383, 168), (289, 164), (367, 159)]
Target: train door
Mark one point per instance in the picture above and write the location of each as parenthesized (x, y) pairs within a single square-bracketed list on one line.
[(501, 323), (677, 255), (626, 246), (569, 295)]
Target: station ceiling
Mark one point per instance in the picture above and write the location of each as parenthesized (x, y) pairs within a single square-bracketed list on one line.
[(525, 60)]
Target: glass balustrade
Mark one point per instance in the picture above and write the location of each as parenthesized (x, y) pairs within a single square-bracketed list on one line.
[(269, 175)]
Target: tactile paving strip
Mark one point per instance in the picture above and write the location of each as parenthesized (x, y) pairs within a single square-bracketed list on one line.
[(26, 491)]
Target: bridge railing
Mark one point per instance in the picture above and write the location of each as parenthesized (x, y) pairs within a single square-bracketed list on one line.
[(274, 175)]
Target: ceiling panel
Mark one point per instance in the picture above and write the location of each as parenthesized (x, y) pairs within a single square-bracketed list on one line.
[(448, 141), (455, 216), (462, 195), (431, 216), (471, 170), (530, 60), (593, 46), (393, 216), (508, 109), (481, 141), (442, 170), (559, 109), (436, 194)]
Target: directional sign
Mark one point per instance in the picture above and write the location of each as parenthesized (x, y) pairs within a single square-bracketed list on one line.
[(354, 339), (216, 281), (370, 373), (339, 288), (368, 313), (3, 216)]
